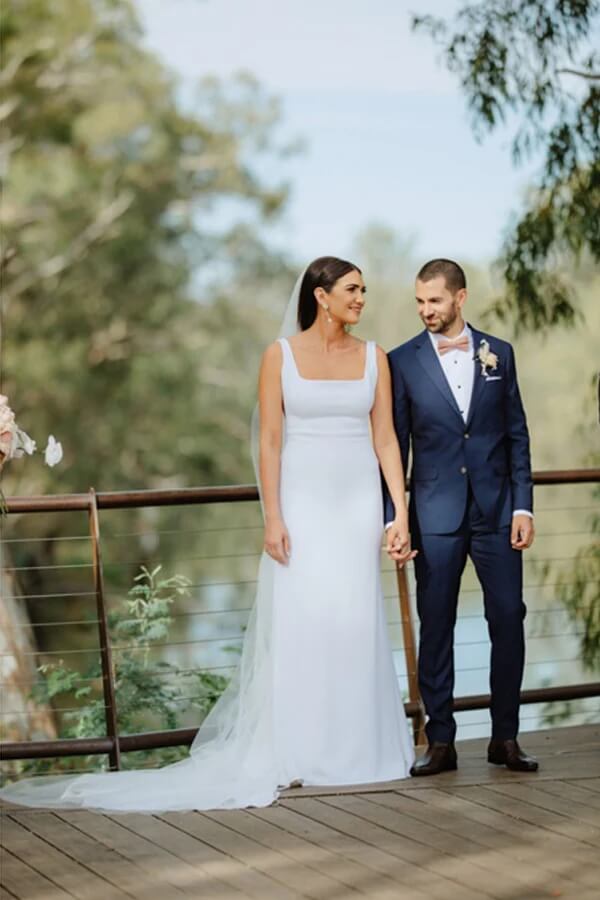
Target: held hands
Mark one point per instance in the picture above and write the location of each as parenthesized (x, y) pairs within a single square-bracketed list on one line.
[(277, 541), (522, 532), (398, 542)]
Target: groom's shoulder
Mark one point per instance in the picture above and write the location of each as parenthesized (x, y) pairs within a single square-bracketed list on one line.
[(403, 351), (495, 342)]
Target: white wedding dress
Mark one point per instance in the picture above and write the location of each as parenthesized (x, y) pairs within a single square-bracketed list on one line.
[(316, 696)]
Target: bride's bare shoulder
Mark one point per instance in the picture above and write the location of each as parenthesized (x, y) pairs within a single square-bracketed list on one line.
[(299, 340), (383, 365), (272, 356), (380, 353)]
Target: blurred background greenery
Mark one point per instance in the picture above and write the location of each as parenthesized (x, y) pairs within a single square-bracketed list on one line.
[(132, 327)]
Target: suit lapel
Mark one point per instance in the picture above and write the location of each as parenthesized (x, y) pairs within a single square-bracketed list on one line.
[(478, 379), (428, 359)]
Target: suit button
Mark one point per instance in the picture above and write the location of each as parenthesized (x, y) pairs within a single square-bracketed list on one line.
[(467, 435), (463, 470)]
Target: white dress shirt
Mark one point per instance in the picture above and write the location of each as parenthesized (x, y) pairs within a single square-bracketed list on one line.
[(457, 366)]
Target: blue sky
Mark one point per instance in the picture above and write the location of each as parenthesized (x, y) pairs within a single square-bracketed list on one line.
[(386, 130)]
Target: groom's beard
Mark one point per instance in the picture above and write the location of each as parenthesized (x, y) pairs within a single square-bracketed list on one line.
[(442, 321)]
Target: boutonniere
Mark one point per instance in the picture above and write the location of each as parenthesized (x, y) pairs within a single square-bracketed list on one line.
[(486, 358)]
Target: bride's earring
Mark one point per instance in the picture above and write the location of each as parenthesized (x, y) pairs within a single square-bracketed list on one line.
[(326, 308)]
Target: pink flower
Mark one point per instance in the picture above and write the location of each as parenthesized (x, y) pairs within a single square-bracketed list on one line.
[(7, 427), (14, 443)]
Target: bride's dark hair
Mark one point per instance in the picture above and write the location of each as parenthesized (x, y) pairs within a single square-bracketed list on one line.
[(322, 272)]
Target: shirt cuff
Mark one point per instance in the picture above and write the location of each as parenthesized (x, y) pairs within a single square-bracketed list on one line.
[(516, 512)]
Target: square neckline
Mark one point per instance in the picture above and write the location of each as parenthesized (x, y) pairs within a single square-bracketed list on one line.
[(332, 380)]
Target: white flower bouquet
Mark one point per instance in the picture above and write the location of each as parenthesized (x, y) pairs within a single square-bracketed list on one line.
[(14, 442)]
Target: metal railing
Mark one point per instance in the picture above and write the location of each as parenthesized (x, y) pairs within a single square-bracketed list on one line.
[(114, 743)]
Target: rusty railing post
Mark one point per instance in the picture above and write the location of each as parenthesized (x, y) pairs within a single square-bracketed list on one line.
[(410, 654), (108, 678)]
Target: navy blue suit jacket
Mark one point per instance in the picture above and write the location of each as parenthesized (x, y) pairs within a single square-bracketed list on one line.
[(490, 451)]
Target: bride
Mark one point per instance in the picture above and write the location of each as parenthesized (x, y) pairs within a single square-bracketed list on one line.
[(315, 699)]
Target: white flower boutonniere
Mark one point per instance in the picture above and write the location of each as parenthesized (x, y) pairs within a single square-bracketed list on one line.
[(487, 359)]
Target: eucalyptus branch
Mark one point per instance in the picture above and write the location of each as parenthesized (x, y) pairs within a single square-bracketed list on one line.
[(591, 76), (509, 57), (90, 235)]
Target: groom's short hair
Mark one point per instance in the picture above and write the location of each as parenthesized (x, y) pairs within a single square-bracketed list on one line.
[(453, 274)]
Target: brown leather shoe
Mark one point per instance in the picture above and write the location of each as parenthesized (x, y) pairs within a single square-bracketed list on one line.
[(509, 754), (437, 758)]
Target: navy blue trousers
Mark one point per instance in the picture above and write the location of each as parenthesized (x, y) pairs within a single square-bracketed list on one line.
[(439, 567)]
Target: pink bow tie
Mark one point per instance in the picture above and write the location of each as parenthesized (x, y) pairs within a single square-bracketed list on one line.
[(461, 343)]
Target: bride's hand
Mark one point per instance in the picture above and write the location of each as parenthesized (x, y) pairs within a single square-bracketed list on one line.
[(277, 541), (398, 542)]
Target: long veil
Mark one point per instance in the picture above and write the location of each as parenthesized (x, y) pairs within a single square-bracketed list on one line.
[(288, 327), (231, 762)]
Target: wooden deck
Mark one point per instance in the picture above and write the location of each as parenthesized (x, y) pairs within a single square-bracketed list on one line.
[(479, 832)]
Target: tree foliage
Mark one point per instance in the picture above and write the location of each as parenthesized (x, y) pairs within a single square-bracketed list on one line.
[(112, 196), (580, 594), (533, 63), (134, 266), (148, 693)]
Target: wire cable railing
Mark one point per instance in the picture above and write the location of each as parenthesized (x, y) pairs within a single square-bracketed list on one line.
[(109, 650)]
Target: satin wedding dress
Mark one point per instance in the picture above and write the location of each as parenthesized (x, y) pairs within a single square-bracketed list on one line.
[(316, 697)]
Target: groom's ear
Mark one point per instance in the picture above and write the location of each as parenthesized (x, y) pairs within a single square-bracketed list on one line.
[(460, 297)]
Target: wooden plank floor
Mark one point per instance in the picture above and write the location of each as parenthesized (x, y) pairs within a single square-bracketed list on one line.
[(480, 832)]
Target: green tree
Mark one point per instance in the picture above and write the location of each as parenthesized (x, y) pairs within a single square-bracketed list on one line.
[(580, 594), (127, 279), (108, 211), (149, 693), (532, 63)]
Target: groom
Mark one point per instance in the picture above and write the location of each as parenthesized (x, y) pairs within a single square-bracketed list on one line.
[(456, 399)]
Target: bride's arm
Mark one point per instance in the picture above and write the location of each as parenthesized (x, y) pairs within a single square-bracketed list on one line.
[(270, 404), (387, 449)]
